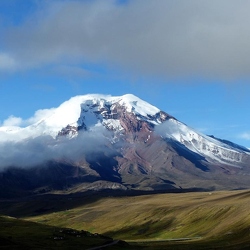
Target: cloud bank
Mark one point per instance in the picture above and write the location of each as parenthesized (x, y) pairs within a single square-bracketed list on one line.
[(37, 151), (195, 38)]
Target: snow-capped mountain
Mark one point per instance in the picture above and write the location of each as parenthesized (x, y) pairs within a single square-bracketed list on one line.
[(133, 144), (90, 111)]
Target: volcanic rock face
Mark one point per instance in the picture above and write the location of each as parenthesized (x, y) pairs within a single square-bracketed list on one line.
[(103, 142)]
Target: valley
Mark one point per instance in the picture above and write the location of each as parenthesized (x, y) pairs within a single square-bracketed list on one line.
[(194, 220)]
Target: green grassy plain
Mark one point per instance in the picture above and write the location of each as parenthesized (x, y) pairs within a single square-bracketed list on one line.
[(198, 220)]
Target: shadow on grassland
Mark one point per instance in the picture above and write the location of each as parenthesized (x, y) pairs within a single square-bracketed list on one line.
[(49, 203), (147, 230)]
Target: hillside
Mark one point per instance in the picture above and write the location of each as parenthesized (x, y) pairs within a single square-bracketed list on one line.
[(217, 220), (22, 234)]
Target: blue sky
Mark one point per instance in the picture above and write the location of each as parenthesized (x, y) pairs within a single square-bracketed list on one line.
[(188, 58)]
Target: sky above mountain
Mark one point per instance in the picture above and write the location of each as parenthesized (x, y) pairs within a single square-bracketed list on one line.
[(188, 58)]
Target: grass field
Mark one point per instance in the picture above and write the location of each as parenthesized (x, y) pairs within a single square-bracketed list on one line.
[(202, 220), (22, 234)]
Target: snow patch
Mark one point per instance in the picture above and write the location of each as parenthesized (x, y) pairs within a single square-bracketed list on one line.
[(210, 148)]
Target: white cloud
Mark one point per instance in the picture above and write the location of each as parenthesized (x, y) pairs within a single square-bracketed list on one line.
[(13, 121), (163, 37)]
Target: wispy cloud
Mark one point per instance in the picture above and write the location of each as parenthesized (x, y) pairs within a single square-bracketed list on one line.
[(13, 121), (44, 87), (163, 37), (7, 62), (70, 71), (245, 135), (20, 122)]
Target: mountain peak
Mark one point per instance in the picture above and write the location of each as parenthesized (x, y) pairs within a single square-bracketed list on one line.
[(74, 106), (132, 102)]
